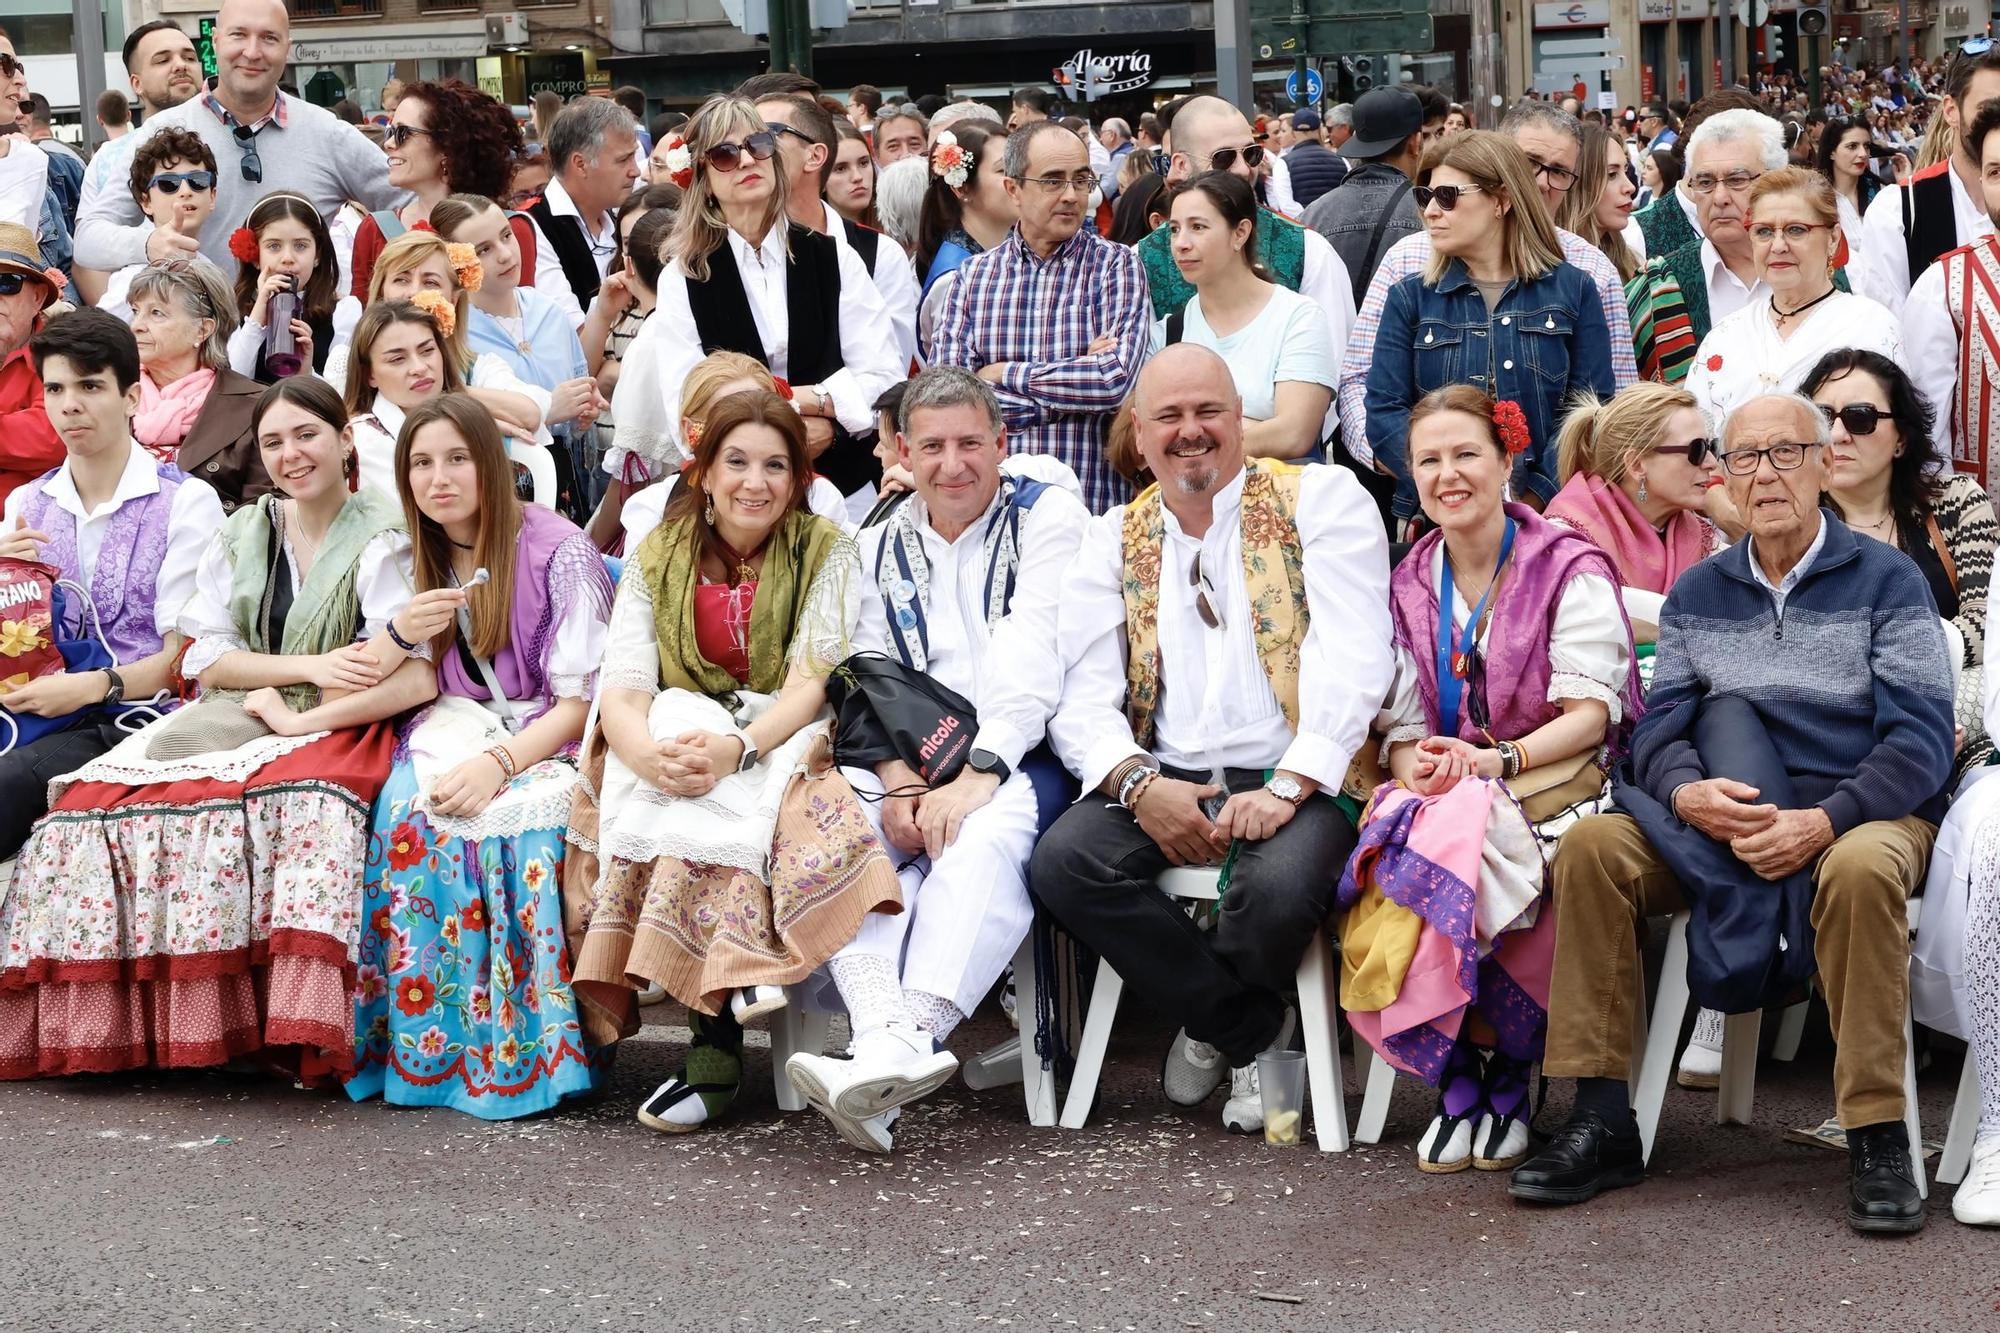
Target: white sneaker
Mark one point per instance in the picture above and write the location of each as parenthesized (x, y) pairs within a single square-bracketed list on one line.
[(753, 1002), (1010, 1005), (1243, 1113), (1193, 1071), (889, 1067), (1977, 1203), (1446, 1145), (1701, 1062)]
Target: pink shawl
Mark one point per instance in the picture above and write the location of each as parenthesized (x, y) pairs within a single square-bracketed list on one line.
[(1606, 515), (165, 416)]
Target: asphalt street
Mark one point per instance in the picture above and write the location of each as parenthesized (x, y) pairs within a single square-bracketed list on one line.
[(215, 1201)]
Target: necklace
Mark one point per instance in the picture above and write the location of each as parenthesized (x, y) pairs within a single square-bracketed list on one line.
[(744, 574), (299, 537), (463, 546), (1783, 316)]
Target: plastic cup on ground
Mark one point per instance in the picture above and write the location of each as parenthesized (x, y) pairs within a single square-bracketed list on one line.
[(1281, 1078)]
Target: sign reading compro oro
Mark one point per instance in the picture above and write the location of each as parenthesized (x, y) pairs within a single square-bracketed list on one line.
[(428, 45)]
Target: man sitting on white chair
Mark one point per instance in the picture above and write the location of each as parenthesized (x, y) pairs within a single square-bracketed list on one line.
[(960, 585), (1784, 785), (1229, 644)]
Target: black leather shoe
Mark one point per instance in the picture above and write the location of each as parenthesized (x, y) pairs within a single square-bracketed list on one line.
[(1585, 1157), (1882, 1195)]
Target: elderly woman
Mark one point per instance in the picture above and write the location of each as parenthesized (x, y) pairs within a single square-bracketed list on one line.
[(193, 409), (1496, 308), (712, 850), (1514, 689), (1795, 233)]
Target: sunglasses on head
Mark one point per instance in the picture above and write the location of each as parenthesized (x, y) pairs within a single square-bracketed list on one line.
[(1698, 450), (1859, 418), (1222, 159), (1447, 196), (726, 157), (170, 182)]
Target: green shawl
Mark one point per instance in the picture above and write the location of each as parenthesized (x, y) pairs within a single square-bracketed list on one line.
[(793, 558), (1281, 248), (328, 606)]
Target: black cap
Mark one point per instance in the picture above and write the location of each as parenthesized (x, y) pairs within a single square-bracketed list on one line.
[(1383, 119)]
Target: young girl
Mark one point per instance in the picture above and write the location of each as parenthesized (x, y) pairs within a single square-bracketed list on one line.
[(463, 997), (284, 246), (528, 331)]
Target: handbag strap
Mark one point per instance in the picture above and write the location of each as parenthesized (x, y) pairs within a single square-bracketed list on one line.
[(1943, 550), (510, 717), (1382, 225)]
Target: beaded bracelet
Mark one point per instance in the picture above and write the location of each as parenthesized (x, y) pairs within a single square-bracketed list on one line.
[(1146, 777), (1132, 783), (499, 755)]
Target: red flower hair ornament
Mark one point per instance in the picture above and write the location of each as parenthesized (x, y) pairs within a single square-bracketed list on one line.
[(243, 244), (680, 162), (1511, 423)]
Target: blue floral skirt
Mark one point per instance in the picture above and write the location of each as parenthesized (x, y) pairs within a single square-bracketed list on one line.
[(462, 996)]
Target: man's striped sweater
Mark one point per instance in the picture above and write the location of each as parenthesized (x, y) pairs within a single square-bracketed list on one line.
[(1851, 679)]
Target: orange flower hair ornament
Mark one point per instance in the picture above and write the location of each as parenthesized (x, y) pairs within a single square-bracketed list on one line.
[(1511, 423), (439, 309), (465, 265), (243, 244)]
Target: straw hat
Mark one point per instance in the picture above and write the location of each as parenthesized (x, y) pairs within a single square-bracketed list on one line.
[(19, 253)]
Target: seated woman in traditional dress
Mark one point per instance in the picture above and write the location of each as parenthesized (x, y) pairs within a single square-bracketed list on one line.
[(714, 851), (463, 997), (1525, 684), (228, 838)]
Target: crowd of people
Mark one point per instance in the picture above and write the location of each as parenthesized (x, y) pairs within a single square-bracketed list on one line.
[(775, 555)]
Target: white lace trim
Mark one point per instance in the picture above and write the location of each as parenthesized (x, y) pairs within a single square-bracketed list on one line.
[(127, 762), (624, 678), (454, 731), (1408, 731), (1574, 685), (570, 687)]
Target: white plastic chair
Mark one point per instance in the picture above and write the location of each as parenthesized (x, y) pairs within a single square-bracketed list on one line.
[(1318, 1003)]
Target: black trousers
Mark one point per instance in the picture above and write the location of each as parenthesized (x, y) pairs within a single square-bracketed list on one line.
[(25, 773), (1095, 870)]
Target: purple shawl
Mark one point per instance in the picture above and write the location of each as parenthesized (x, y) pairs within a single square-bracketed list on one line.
[(1546, 557), (555, 565)]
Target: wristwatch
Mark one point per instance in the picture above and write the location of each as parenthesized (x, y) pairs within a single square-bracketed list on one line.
[(749, 759), (1286, 788), (985, 761), (114, 692)]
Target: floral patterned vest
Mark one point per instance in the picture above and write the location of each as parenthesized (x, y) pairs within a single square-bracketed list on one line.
[(1273, 570)]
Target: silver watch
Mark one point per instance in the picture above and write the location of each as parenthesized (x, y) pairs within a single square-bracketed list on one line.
[(1286, 788)]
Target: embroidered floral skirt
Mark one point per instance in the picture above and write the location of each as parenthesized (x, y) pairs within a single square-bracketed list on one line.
[(463, 996), (703, 930), (184, 921)]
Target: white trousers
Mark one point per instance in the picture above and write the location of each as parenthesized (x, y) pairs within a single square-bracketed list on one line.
[(965, 913)]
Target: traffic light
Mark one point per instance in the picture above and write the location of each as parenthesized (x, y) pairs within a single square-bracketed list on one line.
[(1774, 43), (1360, 73), (1064, 79), (1814, 20)]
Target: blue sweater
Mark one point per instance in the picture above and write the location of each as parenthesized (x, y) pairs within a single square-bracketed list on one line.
[(1852, 681)]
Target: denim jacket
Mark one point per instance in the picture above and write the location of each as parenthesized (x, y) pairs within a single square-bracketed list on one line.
[(1544, 341)]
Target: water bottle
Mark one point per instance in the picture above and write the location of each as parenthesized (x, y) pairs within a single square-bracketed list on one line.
[(281, 354)]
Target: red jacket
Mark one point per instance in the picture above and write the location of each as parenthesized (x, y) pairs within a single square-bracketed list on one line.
[(29, 445)]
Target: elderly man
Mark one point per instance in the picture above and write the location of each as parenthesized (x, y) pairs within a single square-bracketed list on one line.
[(29, 445), (1054, 317), (1232, 622), (1116, 137), (1783, 785), (961, 582), (264, 140), (901, 132), (594, 148), (807, 142), (1553, 141), (1684, 293)]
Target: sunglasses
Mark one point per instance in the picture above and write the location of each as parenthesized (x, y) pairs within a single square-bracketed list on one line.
[(1222, 159), (726, 157), (1447, 196), (398, 135), (12, 283), (170, 182), (1697, 451), (10, 66), (252, 165), (1203, 590), (1859, 418), (779, 127)]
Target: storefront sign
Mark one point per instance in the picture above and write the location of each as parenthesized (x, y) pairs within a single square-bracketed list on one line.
[(1573, 14), (1127, 73), (415, 46)]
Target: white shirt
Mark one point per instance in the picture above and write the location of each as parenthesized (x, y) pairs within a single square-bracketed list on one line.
[(247, 343), (384, 579), (1931, 344), (602, 236), (1287, 342), (1754, 359), (1323, 276), (1783, 589), (669, 346), (895, 279), (1216, 706), (648, 506), (1278, 194), (1635, 239), (1882, 236), (1016, 697), (1727, 293), (24, 179), (192, 522)]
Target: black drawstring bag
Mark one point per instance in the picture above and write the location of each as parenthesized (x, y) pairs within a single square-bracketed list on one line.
[(884, 711)]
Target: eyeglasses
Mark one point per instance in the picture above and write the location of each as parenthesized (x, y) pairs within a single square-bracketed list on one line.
[(1559, 178), (726, 157), (1083, 182), (1447, 196), (1222, 159), (779, 127), (252, 165), (11, 283), (1859, 418), (1794, 232), (1784, 457), (1203, 590), (1697, 450), (170, 182), (398, 135), (1735, 182)]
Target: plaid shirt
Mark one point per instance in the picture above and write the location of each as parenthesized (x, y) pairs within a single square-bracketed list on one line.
[(1408, 256), (1038, 317), (275, 116)]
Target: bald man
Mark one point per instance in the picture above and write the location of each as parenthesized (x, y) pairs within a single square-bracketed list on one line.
[(263, 140), (1176, 730)]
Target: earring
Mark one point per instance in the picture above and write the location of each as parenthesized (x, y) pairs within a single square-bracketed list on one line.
[(708, 512), (1642, 488)]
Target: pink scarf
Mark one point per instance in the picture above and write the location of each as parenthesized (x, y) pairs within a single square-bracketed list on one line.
[(1606, 515), (165, 416)]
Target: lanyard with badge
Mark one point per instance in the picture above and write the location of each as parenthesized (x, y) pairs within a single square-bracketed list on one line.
[(1454, 651)]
